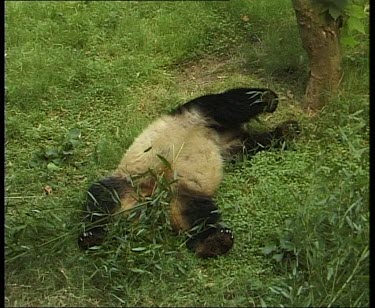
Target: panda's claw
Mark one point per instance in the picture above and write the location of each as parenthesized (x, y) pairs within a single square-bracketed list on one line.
[(229, 232), (94, 237)]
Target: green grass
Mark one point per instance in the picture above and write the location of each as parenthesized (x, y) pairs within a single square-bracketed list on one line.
[(107, 69)]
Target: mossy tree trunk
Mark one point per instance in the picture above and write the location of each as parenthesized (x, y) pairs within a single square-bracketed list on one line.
[(320, 35)]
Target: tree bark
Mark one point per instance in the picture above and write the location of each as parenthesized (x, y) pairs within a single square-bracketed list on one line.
[(320, 35)]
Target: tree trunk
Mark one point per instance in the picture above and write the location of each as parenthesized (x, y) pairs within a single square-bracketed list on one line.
[(320, 35)]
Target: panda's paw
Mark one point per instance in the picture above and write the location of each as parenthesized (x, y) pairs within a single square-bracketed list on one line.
[(288, 129), (270, 100), (212, 242), (90, 238)]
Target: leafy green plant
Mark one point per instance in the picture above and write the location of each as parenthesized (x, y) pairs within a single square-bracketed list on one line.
[(355, 15), (54, 157), (323, 249)]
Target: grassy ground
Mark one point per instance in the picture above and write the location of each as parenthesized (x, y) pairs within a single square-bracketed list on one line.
[(84, 78)]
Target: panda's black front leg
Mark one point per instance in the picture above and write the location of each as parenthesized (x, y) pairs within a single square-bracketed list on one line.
[(235, 106), (259, 141), (103, 197)]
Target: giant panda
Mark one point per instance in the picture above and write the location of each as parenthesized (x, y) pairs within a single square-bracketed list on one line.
[(195, 139)]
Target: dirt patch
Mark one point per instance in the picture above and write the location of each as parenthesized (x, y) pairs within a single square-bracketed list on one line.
[(204, 71)]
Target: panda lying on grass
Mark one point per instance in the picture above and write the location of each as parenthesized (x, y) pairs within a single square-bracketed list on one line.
[(188, 147)]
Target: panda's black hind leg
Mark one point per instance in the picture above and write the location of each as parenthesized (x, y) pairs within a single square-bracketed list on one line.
[(212, 242), (103, 198), (199, 215)]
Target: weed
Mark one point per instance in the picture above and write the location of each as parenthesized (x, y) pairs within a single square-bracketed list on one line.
[(323, 246), (54, 157)]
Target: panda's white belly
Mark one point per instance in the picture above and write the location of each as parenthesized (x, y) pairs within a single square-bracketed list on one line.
[(199, 167), (186, 144)]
